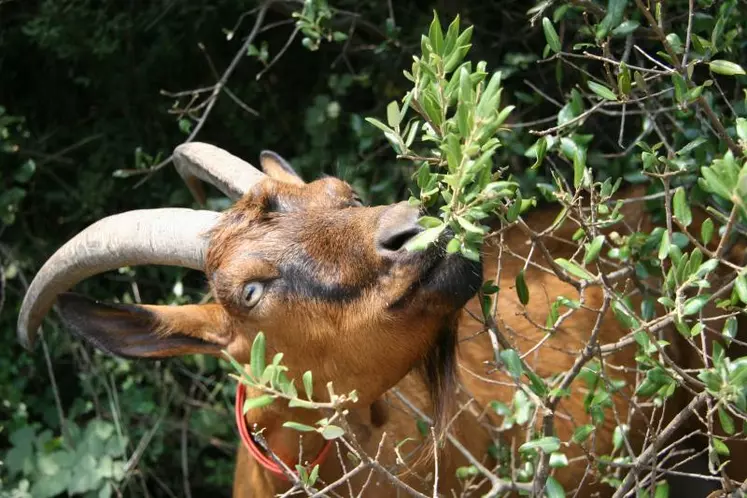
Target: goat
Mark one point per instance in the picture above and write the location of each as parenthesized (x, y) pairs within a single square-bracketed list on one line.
[(329, 283)]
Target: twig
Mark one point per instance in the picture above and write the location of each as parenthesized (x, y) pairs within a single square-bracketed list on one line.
[(185, 457), (688, 35), (570, 122), (498, 485), (651, 450), (279, 54), (702, 102), (219, 86), (727, 232), (55, 390)]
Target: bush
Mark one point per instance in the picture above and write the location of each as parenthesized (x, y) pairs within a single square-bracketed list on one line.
[(647, 93)]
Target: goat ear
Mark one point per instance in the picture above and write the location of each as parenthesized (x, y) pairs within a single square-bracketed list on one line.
[(135, 331), (278, 168)]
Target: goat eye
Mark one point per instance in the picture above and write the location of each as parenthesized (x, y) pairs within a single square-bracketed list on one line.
[(252, 293)]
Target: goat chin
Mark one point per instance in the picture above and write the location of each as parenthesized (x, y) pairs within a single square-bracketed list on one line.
[(387, 427)]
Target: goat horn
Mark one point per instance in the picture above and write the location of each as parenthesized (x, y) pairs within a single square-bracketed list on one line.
[(231, 175), (168, 236)]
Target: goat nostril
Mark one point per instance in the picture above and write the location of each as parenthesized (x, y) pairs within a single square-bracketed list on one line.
[(397, 240)]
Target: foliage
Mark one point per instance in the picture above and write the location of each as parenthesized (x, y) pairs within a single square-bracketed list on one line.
[(83, 462), (699, 160), (460, 116), (633, 91)]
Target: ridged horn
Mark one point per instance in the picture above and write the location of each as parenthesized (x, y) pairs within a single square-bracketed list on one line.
[(169, 236), (231, 175)]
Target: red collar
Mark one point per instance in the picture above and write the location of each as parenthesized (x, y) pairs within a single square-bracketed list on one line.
[(254, 449)]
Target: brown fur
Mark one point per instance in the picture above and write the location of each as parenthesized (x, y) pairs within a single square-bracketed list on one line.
[(335, 306)]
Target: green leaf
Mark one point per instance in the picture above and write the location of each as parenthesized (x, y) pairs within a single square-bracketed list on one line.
[(573, 269), (691, 146), (675, 42), (694, 304), (451, 36), (664, 245), (613, 17), (308, 384), (727, 423), (185, 125), (602, 91), (742, 129), (726, 67), (681, 208), (258, 402), (730, 328), (258, 356), (547, 444), (470, 253), (469, 226), (521, 288), (298, 427), (592, 251), (536, 384), (313, 475), (541, 151), (512, 361), (554, 489), (582, 433), (558, 460), (466, 472), (662, 490), (720, 447), (640, 83), (378, 124), (424, 238), (740, 285), (301, 403), (453, 246), (429, 222), (706, 231), (715, 183), (680, 87), (393, 116), (332, 432), (692, 94), (624, 80), (551, 35), (625, 28), (436, 35), (618, 436), (25, 172)]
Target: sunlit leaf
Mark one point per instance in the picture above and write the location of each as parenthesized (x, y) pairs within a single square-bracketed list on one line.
[(258, 402), (726, 67), (602, 91), (551, 35)]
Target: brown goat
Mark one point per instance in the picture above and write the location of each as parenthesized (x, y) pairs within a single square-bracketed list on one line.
[(331, 286)]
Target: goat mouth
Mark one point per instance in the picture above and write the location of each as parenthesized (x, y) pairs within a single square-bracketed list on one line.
[(450, 276)]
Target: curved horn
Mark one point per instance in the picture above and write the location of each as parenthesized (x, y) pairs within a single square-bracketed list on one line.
[(169, 236), (197, 161)]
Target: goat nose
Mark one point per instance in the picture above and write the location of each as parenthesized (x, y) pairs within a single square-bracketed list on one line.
[(397, 225)]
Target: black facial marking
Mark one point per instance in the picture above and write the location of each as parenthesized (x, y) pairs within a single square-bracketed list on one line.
[(301, 280)]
